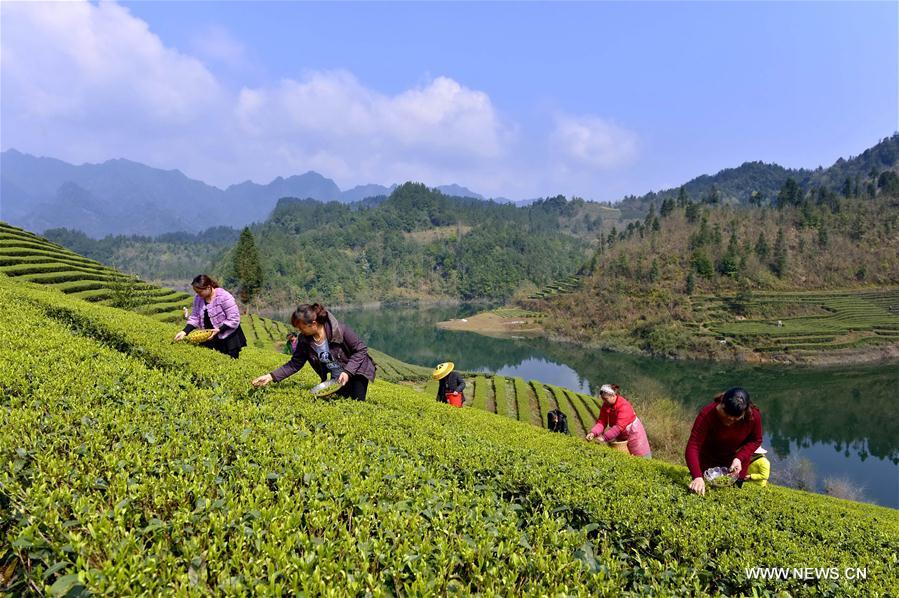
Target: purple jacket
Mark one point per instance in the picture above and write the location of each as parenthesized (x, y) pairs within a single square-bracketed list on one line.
[(347, 348), (223, 312)]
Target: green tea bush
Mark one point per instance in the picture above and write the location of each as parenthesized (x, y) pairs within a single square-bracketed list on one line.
[(135, 466)]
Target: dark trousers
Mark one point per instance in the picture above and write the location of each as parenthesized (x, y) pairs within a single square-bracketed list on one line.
[(355, 388)]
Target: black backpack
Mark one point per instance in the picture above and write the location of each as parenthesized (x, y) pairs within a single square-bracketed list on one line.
[(557, 421)]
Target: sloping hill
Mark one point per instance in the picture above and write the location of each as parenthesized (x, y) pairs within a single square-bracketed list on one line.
[(139, 466), (32, 258)]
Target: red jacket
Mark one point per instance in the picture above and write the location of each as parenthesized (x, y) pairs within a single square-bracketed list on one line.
[(713, 444), (616, 417), (623, 425)]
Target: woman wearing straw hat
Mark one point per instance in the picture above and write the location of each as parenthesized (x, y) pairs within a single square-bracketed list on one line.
[(451, 384), (759, 468), (619, 423)]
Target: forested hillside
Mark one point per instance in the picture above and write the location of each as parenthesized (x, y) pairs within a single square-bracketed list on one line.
[(757, 183), (420, 244), (705, 279)]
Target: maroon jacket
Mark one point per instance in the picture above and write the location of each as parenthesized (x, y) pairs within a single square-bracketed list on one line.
[(347, 348), (713, 444)]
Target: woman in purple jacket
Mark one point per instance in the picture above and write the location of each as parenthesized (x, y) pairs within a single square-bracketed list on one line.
[(214, 308), (330, 347)]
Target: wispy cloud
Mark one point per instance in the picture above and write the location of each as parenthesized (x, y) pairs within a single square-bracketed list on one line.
[(216, 43), (594, 142)]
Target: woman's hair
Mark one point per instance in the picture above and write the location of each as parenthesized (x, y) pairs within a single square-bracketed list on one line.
[(204, 282), (606, 387), (736, 402), (307, 314)]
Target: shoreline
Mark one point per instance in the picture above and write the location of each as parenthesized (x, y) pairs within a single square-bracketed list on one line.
[(494, 325), (491, 325)]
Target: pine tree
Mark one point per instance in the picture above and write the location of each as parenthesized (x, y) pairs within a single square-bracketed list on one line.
[(691, 284), (729, 264), (761, 247), (780, 255), (682, 198), (667, 207), (654, 272), (692, 212), (847, 188), (247, 267), (789, 194)]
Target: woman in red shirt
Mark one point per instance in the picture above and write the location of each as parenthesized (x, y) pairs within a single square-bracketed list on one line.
[(725, 434), (618, 421)]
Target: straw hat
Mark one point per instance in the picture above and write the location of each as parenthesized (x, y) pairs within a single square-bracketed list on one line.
[(442, 370), (760, 451)]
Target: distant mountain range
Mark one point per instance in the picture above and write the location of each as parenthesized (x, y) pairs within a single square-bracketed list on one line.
[(124, 197)]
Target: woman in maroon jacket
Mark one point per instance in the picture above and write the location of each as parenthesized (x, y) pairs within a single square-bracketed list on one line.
[(330, 347), (725, 434)]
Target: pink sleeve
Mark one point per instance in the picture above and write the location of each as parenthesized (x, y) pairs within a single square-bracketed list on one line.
[(612, 433)]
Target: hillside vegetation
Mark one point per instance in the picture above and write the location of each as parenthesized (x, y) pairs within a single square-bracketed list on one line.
[(136, 465), (816, 271), (347, 253)]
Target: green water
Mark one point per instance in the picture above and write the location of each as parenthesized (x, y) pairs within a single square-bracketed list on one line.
[(842, 419)]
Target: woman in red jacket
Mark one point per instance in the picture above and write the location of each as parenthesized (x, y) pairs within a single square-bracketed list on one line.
[(725, 434), (618, 421)]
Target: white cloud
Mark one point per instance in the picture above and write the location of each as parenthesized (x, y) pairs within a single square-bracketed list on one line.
[(441, 117), (71, 60), (89, 82), (593, 142)]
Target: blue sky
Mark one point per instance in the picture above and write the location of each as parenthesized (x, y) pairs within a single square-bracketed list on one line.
[(512, 99)]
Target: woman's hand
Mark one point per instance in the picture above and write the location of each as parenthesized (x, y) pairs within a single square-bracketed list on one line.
[(590, 436), (215, 332), (180, 336), (262, 380), (698, 486), (343, 378), (736, 467)]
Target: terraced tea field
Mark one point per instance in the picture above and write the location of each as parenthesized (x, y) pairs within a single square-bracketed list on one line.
[(29, 257), (526, 401), (558, 287), (839, 320)]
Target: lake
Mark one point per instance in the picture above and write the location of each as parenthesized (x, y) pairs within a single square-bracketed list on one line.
[(842, 419)]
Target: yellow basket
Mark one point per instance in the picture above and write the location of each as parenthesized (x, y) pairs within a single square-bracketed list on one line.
[(620, 445), (199, 335)]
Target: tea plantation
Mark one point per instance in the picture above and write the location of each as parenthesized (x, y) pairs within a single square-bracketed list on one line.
[(134, 465), (836, 320), (29, 257)]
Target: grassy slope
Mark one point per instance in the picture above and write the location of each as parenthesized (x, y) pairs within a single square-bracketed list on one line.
[(163, 470)]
